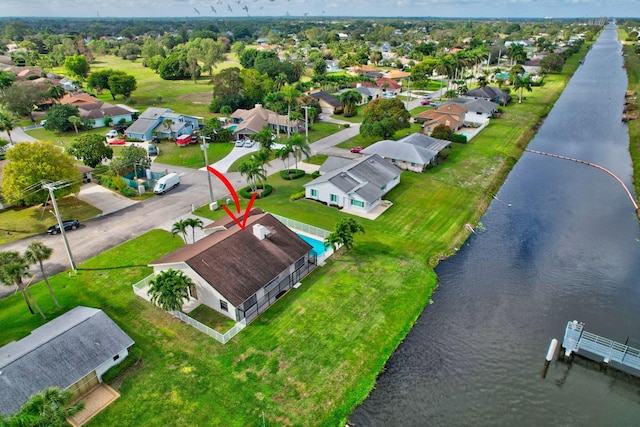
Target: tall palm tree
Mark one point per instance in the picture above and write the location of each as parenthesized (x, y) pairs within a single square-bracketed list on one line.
[(284, 153), (349, 100), (56, 92), (290, 95), (36, 253), (13, 268), (50, 407), (300, 147), (273, 101), (168, 123), (262, 158), (253, 172), (169, 289), (522, 83), (7, 124), (516, 53), (194, 223), (180, 227), (265, 138)]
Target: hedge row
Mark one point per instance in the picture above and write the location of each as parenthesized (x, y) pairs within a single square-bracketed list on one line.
[(247, 192), (292, 174)]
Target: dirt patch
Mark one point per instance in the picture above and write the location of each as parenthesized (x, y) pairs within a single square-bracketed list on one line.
[(203, 98)]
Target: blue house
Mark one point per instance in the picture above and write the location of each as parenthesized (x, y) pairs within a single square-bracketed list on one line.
[(154, 121)]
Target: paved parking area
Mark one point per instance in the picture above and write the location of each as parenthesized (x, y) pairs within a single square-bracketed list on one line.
[(106, 200)]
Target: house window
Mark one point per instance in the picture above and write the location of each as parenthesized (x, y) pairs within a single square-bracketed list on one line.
[(394, 161), (314, 193), (413, 165), (384, 187), (357, 203), (224, 306), (116, 357), (334, 198)]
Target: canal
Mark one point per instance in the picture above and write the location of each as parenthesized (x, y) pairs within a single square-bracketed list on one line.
[(560, 242)]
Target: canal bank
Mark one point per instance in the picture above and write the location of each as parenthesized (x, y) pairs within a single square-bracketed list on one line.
[(562, 244)]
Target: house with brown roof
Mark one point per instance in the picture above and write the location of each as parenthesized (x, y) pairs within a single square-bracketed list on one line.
[(249, 122), (449, 114), (94, 109), (327, 101), (242, 272)]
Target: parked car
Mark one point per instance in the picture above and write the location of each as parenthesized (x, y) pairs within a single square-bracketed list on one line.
[(117, 141), (437, 103), (152, 150), (112, 133), (71, 224), (239, 143), (357, 149), (43, 122), (425, 102), (248, 143)]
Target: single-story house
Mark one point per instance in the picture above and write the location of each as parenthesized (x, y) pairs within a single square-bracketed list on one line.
[(72, 352), (449, 114), (92, 108), (358, 185), (490, 93), (242, 272), (478, 110), (327, 101), (413, 152), (249, 122), (152, 121)]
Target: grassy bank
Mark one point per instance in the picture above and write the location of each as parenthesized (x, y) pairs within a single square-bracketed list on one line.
[(312, 357), (632, 60)]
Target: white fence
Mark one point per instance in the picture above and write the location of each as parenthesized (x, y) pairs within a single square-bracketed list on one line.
[(223, 338), (301, 226), (141, 289)]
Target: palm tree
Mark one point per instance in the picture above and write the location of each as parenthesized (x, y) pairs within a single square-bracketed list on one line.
[(56, 92), (7, 124), (343, 234), (520, 84), (180, 227), (75, 121), (253, 171), (261, 158), (290, 95), (300, 147), (168, 123), (36, 253), (194, 223), (13, 268), (265, 138), (50, 407), (273, 101), (169, 289), (516, 53), (348, 100), (284, 153)]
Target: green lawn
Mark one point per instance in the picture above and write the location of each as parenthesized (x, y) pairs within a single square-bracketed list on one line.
[(313, 356), (18, 222), (191, 156)]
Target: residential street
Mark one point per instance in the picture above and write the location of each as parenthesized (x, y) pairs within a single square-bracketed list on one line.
[(104, 232)]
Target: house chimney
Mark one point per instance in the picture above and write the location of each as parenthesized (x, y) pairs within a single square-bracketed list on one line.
[(260, 231), (258, 105)]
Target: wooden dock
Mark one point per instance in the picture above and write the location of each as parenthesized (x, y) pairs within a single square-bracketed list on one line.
[(576, 339)]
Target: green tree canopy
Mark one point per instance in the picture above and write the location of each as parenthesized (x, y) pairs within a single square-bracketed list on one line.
[(19, 98), (77, 66), (7, 124), (170, 289), (91, 149), (383, 117), (442, 132), (131, 158), (30, 164), (50, 407), (58, 117), (122, 84), (343, 235)]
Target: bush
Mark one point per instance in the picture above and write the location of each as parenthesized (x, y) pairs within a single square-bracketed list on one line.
[(289, 174), (118, 183), (246, 192), (297, 196), (346, 125), (315, 174), (456, 137), (128, 192)]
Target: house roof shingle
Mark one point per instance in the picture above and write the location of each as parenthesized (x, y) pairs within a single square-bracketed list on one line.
[(58, 353), (235, 262), (415, 148)]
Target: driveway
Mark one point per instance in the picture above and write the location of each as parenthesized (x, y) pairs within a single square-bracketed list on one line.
[(17, 135), (106, 200)]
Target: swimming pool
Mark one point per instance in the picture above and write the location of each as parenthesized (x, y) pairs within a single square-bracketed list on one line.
[(318, 246)]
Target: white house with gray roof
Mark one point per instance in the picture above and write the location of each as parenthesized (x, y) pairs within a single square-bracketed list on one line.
[(413, 152), (153, 121), (479, 110), (72, 351), (359, 185)]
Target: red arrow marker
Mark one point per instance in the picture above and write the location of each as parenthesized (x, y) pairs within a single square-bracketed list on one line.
[(232, 190)]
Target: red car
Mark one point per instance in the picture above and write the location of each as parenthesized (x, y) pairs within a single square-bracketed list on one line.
[(117, 141), (357, 149), (425, 102)]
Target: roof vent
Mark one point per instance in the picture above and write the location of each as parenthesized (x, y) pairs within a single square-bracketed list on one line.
[(260, 231)]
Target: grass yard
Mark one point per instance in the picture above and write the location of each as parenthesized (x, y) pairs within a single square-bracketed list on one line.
[(191, 156), (313, 356), (633, 72), (19, 222)]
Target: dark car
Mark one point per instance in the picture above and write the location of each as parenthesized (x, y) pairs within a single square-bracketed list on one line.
[(71, 224), (152, 150)]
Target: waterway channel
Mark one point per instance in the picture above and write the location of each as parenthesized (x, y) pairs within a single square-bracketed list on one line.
[(560, 242)]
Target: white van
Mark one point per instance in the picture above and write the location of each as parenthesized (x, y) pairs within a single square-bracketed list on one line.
[(166, 183)]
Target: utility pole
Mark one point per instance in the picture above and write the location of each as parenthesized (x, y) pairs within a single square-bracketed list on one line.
[(306, 122), (204, 148), (51, 188)]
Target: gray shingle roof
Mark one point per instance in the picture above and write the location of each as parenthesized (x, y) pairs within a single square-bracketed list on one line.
[(58, 353), (415, 148), (477, 105)]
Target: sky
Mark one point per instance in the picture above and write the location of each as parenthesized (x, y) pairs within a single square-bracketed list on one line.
[(372, 8)]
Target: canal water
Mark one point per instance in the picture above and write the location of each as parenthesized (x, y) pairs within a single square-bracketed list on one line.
[(561, 242)]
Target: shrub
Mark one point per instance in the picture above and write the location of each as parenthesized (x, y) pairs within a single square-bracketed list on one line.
[(338, 111), (346, 125), (246, 192), (128, 192), (135, 355), (118, 183), (456, 137), (315, 174), (297, 196), (289, 174)]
